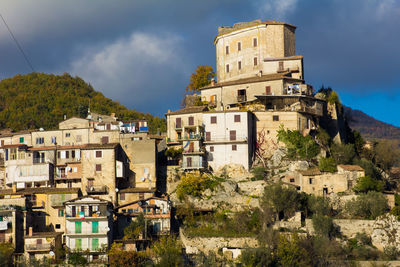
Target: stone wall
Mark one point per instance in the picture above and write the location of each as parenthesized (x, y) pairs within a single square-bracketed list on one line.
[(214, 244)]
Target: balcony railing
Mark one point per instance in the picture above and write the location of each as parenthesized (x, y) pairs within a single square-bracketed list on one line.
[(37, 247), (97, 189), (226, 139), (191, 137), (193, 165), (39, 160)]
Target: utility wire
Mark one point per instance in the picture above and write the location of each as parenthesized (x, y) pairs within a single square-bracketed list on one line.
[(18, 45)]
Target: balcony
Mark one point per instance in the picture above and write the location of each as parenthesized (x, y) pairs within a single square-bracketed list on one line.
[(94, 190), (241, 98), (37, 247), (39, 160), (226, 139), (193, 165), (191, 137)]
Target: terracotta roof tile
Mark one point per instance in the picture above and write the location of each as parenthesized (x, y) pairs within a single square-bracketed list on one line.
[(188, 110), (350, 167)]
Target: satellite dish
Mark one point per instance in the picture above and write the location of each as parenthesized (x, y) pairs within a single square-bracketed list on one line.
[(142, 179), (116, 190), (108, 229), (51, 253)]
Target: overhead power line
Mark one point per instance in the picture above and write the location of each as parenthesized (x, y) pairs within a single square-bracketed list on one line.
[(18, 45)]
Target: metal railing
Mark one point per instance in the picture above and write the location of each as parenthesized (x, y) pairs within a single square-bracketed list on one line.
[(39, 160), (97, 189), (193, 165), (37, 247)]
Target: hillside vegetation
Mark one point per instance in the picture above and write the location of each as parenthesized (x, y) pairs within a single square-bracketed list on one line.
[(39, 100)]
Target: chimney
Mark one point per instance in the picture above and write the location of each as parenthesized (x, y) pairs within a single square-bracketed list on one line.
[(65, 116), (212, 82), (14, 188), (30, 231)]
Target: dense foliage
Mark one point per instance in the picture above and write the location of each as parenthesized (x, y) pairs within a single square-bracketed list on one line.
[(201, 77), (367, 206), (39, 100), (194, 184), (298, 146)]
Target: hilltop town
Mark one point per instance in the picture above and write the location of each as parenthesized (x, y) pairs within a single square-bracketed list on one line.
[(258, 168)]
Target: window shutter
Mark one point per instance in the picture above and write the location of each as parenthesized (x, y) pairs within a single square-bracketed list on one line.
[(232, 135), (95, 227), (213, 119), (237, 118), (239, 46), (255, 61), (78, 227), (178, 123), (191, 120), (98, 167), (254, 42), (208, 136)]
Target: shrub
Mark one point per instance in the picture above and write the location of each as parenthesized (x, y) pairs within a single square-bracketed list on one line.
[(366, 184), (119, 257), (367, 206), (257, 257), (258, 173), (194, 184), (290, 253), (343, 153), (6, 253), (327, 165), (396, 212), (318, 205), (391, 253), (283, 201), (298, 146), (173, 153), (168, 251), (323, 225)]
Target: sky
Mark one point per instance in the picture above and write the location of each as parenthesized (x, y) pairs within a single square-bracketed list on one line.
[(142, 52)]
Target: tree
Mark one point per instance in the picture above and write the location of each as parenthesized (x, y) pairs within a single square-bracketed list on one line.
[(327, 165), (119, 257), (366, 183), (6, 254), (387, 154), (201, 77), (367, 206), (168, 251), (135, 228), (77, 258), (291, 253), (343, 153), (283, 201)]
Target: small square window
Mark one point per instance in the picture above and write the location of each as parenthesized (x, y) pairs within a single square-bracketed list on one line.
[(67, 134), (58, 226), (99, 154), (234, 147), (310, 180), (214, 119), (211, 148), (292, 180), (237, 118), (21, 140), (275, 118)]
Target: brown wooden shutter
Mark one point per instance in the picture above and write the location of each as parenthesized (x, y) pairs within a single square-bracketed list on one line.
[(122, 196), (240, 65), (237, 118), (189, 162), (227, 49), (67, 154), (234, 147), (191, 120), (104, 140), (268, 90), (211, 148), (227, 68), (213, 119), (178, 123), (239, 46), (98, 167), (232, 135), (99, 154), (108, 126), (281, 65), (254, 41), (255, 61), (208, 136), (2, 142)]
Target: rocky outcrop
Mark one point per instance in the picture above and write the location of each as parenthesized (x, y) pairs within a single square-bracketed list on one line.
[(386, 232)]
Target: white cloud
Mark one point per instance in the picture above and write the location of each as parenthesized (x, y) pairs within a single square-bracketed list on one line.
[(279, 9), (133, 69)]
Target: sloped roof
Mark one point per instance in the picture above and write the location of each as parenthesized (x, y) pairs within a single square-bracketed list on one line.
[(193, 109), (350, 167), (136, 201), (40, 190), (138, 190), (310, 172)]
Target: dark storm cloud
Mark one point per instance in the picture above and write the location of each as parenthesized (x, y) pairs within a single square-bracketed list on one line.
[(350, 45)]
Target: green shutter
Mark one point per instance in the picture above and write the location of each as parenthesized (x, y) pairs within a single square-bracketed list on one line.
[(78, 227), (95, 243), (21, 140), (78, 243), (60, 213), (95, 227)]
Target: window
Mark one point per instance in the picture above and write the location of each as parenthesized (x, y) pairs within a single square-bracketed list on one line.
[(310, 180), (67, 154), (95, 227), (141, 195), (53, 139), (234, 147), (78, 227), (227, 49), (241, 95), (255, 61), (99, 154), (58, 226), (292, 180), (67, 134), (122, 196), (178, 123), (39, 241), (239, 65), (208, 136), (104, 140), (21, 155), (39, 140), (191, 120), (237, 118), (254, 42), (275, 118), (21, 140), (58, 154), (98, 167), (95, 244), (13, 154), (211, 148), (73, 154), (268, 90), (239, 46), (281, 65), (232, 135), (213, 119), (60, 213), (78, 243), (227, 68)]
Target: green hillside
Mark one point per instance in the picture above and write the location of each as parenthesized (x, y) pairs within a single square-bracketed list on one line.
[(39, 100)]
